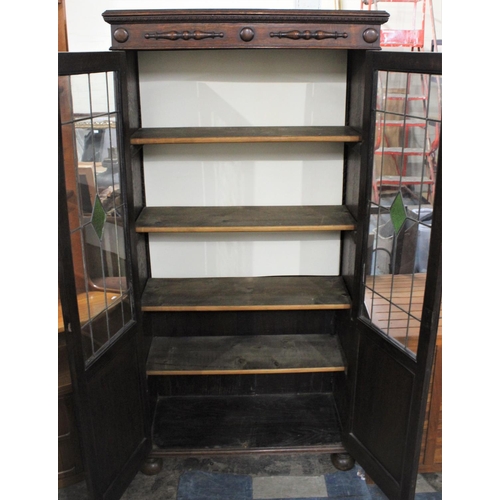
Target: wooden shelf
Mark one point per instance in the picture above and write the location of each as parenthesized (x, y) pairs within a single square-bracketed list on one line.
[(201, 135), (245, 354), (245, 294), (244, 219), (222, 424)]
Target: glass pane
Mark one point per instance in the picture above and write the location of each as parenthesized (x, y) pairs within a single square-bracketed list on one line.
[(106, 155), (406, 147), (99, 94), (92, 175), (80, 93), (417, 96)]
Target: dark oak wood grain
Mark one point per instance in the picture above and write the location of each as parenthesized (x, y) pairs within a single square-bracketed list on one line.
[(244, 219), (240, 29), (201, 135), (256, 293), (244, 354), (219, 424), (249, 384)]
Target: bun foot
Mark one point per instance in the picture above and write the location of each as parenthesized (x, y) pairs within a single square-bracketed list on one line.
[(343, 461), (152, 466)]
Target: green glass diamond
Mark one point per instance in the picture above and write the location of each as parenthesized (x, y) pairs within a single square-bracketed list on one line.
[(398, 213), (98, 217)]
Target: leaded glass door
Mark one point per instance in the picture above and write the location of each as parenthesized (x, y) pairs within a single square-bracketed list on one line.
[(96, 275), (398, 316)]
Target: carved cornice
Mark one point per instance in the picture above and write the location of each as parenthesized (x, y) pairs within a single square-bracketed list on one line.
[(245, 16)]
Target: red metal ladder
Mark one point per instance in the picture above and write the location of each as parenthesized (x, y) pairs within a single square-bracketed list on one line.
[(411, 36), (396, 155)]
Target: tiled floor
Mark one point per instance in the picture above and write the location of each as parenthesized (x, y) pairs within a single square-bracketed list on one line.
[(256, 477)]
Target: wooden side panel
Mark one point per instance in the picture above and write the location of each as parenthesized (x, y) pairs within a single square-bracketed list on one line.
[(378, 422), (117, 428)]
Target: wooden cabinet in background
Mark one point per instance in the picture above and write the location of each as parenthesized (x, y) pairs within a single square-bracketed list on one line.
[(70, 469), (62, 32), (431, 454)]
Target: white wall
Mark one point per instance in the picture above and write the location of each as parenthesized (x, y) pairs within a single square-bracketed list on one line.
[(222, 88)]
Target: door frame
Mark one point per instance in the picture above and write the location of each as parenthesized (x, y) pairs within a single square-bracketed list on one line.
[(421, 367), (126, 344)]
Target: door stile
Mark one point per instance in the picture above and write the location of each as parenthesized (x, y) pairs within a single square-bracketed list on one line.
[(396, 476), (107, 369)]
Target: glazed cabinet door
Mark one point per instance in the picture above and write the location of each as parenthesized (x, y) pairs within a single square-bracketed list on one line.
[(397, 317), (97, 289)]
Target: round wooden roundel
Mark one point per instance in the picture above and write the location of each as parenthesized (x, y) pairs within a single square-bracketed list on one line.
[(120, 35), (370, 35), (247, 34)]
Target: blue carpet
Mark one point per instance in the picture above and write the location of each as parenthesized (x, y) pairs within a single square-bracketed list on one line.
[(346, 485), (199, 485)]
